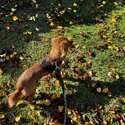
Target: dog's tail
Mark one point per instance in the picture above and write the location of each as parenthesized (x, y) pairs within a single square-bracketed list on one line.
[(14, 97)]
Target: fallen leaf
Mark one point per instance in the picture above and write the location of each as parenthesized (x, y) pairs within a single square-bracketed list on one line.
[(105, 90), (52, 24), (117, 116), (34, 1), (122, 100), (56, 122), (74, 11), (7, 27), (84, 64), (27, 33), (76, 117), (19, 102), (85, 76), (61, 108), (104, 122), (113, 20), (80, 74), (71, 22), (98, 7), (1, 71), (36, 5), (69, 111), (47, 102), (76, 45), (111, 73), (2, 116), (103, 2), (70, 38), (64, 73), (13, 55), (53, 97), (109, 40), (17, 118), (32, 107), (62, 12), (37, 29), (37, 113), (3, 55), (58, 96), (112, 46), (21, 57), (15, 18), (83, 46), (117, 76), (8, 57), (90, 73), (13, 9), (32, 18), (103, 36), (98, 89), (75, 4), (47, 85)]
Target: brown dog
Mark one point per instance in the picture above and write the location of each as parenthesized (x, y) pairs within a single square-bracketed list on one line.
[(27, 82)]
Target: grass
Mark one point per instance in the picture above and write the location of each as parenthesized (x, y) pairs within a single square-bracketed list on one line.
[(94, 73)]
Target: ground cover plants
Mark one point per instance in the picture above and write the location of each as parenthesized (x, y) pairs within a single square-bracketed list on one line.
[(94, 73)]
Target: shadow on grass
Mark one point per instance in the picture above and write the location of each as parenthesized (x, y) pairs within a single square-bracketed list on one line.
[(83, 100), (87, 97), (20, 23), (23, 21)]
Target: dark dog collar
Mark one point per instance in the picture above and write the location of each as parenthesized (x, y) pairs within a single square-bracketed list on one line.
[(49, 66)]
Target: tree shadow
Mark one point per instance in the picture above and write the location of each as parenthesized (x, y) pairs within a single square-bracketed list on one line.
[(23, 21), (86, 96), (79, 12), (20, 23)]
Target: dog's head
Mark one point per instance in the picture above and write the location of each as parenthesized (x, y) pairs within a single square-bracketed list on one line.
[(60, 47)]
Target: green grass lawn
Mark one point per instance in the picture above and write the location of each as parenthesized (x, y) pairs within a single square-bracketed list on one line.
[(94, 73)]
